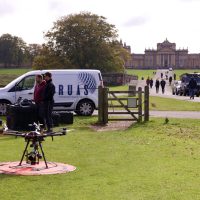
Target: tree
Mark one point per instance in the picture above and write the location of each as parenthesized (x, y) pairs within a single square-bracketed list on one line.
[(13, 50), (48, 59), (33, 51), (87, 41)]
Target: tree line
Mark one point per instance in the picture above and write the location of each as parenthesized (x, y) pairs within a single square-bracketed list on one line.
[(78, 41)]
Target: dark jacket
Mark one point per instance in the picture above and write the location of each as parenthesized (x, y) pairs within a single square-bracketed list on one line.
[(157, 83), (162, 83), (39, 92), (192, 84), (49, 91)]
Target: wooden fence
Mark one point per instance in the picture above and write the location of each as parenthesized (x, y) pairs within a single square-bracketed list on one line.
[(123, 105)]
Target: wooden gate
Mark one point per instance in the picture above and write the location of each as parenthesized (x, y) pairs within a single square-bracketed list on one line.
[(123, 105)]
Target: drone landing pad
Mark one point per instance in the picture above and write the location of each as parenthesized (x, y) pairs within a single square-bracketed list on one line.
[(13, 168)]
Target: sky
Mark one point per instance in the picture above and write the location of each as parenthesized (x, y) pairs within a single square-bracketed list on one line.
[(140, 23)]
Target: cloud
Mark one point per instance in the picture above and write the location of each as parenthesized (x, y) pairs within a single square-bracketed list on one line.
[(6, 8), (58, 6), (136, 21), (189, 1)]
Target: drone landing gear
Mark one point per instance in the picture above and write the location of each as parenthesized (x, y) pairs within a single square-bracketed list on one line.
[(33, 155)]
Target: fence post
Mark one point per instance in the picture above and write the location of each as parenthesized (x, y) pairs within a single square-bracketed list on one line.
[(146, 103), (102, 105), (105, 105), (139, 104)]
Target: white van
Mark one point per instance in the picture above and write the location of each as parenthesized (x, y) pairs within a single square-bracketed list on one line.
[(76, 90)]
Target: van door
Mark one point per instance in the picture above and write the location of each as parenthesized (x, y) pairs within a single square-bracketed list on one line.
[(25, 88)]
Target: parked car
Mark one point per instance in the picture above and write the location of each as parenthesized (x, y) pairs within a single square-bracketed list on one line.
[(176, 87), (76, 90), (170, 69), (185, 79)]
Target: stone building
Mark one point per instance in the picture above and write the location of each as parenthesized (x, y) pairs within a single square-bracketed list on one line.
[(165, 56)]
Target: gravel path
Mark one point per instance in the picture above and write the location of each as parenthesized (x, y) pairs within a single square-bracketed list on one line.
[(168, 90)]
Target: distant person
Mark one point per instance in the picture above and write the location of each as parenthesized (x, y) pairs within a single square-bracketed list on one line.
[(174, 76), (151, 83), (162, 84), (166, 76), (170, 80), (142, 78), (148, 81), (49, 101), (157, 85), (161, 75), (192, 87)]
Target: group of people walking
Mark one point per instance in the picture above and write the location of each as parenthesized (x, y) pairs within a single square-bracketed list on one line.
[(160, 84), (44, 100)]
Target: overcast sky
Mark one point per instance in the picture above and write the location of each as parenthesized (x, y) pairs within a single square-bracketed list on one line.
[(141, 23)]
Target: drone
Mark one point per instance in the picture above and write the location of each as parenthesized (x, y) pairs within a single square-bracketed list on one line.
[(36, 138)]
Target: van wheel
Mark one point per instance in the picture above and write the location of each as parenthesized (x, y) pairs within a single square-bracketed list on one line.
[(3, 105), (85, 108)]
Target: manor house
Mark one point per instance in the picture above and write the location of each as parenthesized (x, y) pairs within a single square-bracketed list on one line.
[(165, 56)]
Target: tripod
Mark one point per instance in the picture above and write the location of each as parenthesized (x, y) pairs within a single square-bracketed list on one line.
[(33, 155)]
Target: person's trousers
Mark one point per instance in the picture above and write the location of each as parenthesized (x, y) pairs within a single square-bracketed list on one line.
[(48, 108), (157, 89), (40, 114), (191, 92), (163, 90)]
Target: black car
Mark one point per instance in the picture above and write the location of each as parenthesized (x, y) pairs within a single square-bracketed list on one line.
[(185, 79)]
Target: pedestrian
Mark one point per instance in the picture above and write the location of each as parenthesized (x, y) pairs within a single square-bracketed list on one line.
[(148, 81), (49, 101), (166, 77), (170, 80), (151, 83), (157, 85), (174, 76), (161, 75), (162, 84), (39, 99), (192, 87)]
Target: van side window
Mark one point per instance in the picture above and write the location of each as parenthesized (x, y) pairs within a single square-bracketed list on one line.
[(25, 84)]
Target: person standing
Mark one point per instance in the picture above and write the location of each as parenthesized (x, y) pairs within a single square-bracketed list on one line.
[(157, 84), (162, 84), (148, 81), (170, 80), (192, 87), (49, 101), (174, 76), (151, 83), (161, 75), (39, 99)]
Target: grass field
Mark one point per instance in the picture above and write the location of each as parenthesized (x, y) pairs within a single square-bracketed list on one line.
[(146, 73), (141, 73), (162, 104), (148, 161), (7, 75)]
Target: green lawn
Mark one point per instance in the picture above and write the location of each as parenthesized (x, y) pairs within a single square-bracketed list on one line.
[(160, 103), (7, 75), (146, 73), (141, 73), (148, 161)]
